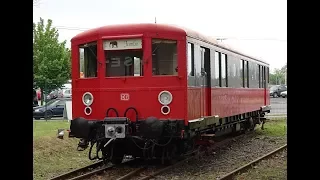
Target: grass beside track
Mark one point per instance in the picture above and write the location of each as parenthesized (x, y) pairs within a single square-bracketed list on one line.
[(53, 156), (274, 127)]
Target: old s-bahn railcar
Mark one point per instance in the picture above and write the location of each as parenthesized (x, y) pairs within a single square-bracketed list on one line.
[(155, 91)]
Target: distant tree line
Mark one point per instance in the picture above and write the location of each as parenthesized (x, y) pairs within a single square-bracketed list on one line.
[(279, 76)]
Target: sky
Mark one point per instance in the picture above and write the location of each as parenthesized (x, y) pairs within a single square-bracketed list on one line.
[(255, 27)]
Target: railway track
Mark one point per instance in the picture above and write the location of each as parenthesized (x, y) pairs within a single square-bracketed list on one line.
[(142, 170), (143, 174), (78, 172), (87, 171), (243, 168)]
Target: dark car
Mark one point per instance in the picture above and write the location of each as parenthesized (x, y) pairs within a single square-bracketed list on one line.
[(276, 90), (53, 108)]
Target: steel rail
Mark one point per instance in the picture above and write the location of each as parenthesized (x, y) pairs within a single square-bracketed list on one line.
[(231, 174)]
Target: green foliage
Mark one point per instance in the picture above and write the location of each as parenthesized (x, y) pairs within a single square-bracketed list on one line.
[(279, 76), (51, 59)]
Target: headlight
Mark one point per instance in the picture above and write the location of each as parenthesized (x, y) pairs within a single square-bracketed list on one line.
[(111, 131), (87, 99), (37, 110), (165, 97)]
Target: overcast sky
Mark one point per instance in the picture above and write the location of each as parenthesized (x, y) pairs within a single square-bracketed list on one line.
[(257, 27)]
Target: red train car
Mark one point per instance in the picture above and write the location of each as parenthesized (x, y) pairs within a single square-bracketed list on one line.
[(148, 90)]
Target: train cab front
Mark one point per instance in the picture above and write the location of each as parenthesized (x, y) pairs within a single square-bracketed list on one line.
[(128, 93)]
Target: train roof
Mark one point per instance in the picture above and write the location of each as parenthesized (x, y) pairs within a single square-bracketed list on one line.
[(154, 28)]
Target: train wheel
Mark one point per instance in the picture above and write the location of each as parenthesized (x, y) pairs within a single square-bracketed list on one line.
[(170, 154), (117, 154), (117, 159), (252, 124)]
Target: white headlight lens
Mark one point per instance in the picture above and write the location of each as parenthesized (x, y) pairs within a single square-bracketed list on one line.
[(165, 97), (111, 131), (87, 99)]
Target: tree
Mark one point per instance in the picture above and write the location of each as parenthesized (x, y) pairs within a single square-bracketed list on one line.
[(51, 59), (279, 75)]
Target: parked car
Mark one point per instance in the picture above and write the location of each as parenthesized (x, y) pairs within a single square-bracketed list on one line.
[(276, 90), (53, 94), (64, 93), (283, 94), (53, 108), (66, 85)]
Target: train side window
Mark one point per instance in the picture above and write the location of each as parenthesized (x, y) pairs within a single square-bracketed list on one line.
[(223, 65), (263, 76), (88, 60), (242, 83), (164, 57), (246, 73), (216, 69), (233, 71), (254, 75), (267, 76), (190, 59), (259, 75)]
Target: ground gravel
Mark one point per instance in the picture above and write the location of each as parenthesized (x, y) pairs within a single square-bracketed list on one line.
[(225, 159), (216, 162)]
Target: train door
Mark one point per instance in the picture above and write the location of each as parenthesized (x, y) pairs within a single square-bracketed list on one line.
[(205, 82)]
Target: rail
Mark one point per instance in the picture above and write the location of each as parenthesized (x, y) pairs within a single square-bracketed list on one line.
[(230, 175)]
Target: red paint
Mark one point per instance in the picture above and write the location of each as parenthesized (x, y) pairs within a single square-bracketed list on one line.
[(226, 101), (138, 92), (142, 92)]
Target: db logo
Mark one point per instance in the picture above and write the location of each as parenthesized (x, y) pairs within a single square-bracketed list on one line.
[(124, 97)]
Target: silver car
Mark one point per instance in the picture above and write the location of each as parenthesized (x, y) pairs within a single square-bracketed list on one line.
[(65, 93), (283, 94)]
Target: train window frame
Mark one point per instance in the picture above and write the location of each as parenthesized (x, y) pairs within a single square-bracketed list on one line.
[(217, 69), (268, 75), (84, 72), (127, 57), (190, 59), (245, 67), (225, 83), (156, 70), (259, 75), (242, 73), (264, 77)]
